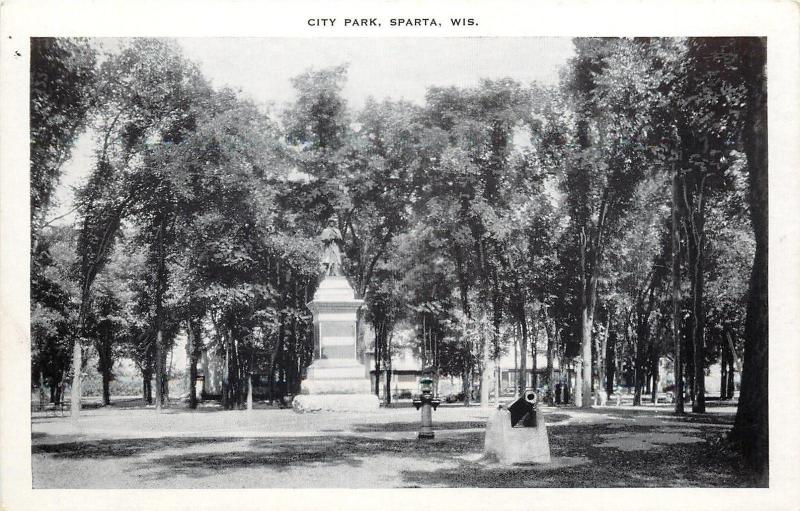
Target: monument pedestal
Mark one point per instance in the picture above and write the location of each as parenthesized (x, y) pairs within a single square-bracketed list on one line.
[(336, 381)]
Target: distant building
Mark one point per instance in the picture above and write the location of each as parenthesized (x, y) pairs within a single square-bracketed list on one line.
[(406, 371), (509, 372)]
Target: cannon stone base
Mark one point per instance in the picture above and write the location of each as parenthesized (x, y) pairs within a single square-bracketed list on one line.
[(516, 445)]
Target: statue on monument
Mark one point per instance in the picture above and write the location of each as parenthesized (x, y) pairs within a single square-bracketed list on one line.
[(331, 255), (336, 380)]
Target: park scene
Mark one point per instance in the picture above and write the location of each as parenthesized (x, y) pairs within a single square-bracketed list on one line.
[(398, 263)]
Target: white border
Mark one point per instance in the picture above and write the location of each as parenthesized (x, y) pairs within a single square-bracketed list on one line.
[(779, 21)]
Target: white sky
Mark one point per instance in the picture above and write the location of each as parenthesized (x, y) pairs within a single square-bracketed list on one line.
[(379, 67)]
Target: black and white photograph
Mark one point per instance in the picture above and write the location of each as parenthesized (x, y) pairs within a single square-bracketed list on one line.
[(399, 262)]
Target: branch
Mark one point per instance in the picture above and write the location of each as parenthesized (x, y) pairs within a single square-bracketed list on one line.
[(59, 217), (372, 264)]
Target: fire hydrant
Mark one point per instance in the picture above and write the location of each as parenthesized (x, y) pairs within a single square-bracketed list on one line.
[(427, 402)]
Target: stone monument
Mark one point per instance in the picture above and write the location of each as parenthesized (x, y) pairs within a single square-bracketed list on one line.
[(336, 380)]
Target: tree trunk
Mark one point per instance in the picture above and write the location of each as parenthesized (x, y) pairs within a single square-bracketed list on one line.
[(249, 391), (638, 371), (104, 354), (235, 388), (654, 389), (75, 398), (522, 380), (735, 359), (601, 357), (147, 389), (583, 373), (516, 358), (676, 298), (583, 387), (226, 371), (465, 385), (60, 388), (640, 362), (388, 389), (734, 364), (165, 381), (42, 395), (159, 370), (106, 387), (751, 428), (690, 373), (497, 383), (282, 375), (698, 334), (550, 355), (360, 343), (376, 352), (723, 372), (730, 384), (583, 383), (273, 359), (610, 363), (694, 219), (387, 368), (730, 387), (534, 349), (485, 375), (194, 349)]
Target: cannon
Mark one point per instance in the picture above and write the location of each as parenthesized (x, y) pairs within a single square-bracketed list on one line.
[(523, 410), (518, 433)]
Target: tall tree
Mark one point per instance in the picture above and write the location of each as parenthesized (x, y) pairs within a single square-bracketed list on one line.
[(473, 181), (142, 96), (61, 93), (610, 85), (751, 429)]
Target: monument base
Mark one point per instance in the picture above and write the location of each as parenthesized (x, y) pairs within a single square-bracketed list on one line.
[(516, 445), (335, 403), (336, 376), (336, 381)]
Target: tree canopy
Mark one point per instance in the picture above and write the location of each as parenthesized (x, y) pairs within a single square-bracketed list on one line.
[(611, 222)]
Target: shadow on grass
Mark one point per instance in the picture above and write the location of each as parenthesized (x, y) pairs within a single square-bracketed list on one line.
[(280, 459), (399, 427), (275, 454), (662, 413), (701, 464), (365, 447), (555, 417), (286, 453), (121, 448)]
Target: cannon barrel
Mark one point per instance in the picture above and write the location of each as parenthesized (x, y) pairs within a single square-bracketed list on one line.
[(523, 410)]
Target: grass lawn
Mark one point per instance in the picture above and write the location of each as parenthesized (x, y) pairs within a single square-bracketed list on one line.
[(133, 447)]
